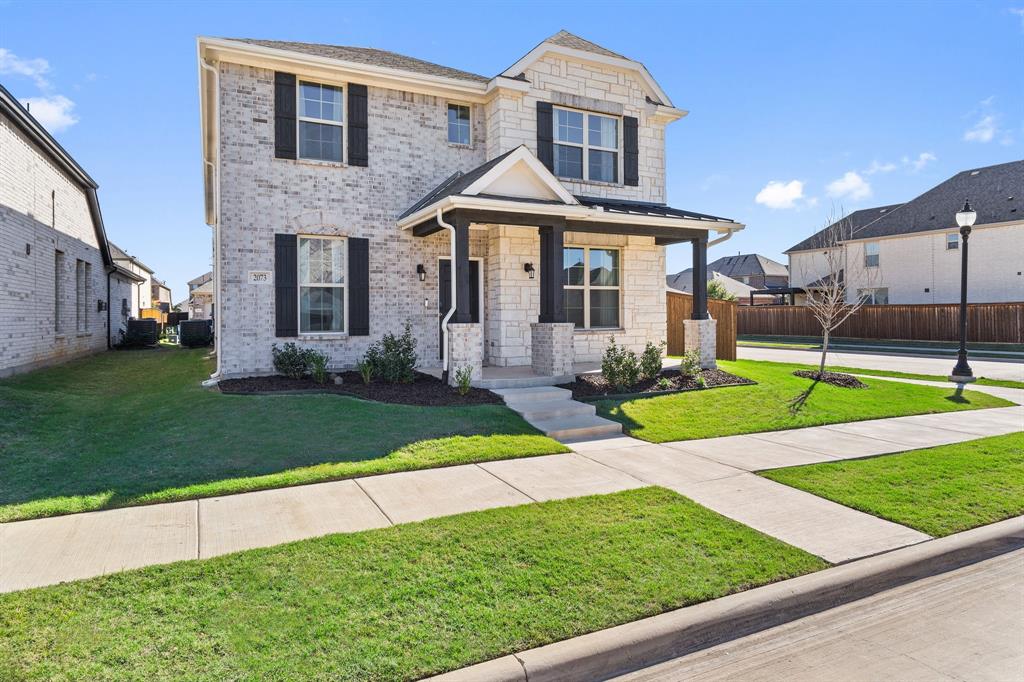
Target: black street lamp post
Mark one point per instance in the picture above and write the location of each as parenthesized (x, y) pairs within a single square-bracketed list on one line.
[(962, 373)]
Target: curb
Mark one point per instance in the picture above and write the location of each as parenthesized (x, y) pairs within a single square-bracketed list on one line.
[(625, 648)]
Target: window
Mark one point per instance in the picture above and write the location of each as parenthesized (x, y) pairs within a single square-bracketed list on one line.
[(590, 278), (586, 146), (58, 291), (321, 285), (878, 296), (458, 124), (83, 282), (320, 122), (952, 241), (871, 254)]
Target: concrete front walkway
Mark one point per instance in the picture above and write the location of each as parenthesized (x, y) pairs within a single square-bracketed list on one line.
[(714, 472)]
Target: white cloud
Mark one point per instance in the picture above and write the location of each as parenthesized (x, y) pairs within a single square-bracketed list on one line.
[(850, 186), (982, 131), (922, 160), (36, 69), (780, 194), (879, 167), (53, 113)]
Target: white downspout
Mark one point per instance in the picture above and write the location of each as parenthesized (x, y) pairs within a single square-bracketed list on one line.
[(451, 310), (721, 239), (218, 311)]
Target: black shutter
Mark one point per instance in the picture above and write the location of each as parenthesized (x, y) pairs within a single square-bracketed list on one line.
[(284, 115), (545, 141), (286, 284), (630, 151), (358, 286), (358, 151)]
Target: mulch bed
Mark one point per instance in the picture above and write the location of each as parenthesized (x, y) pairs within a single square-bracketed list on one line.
[(425, 389), (832, 378), (595, 385)]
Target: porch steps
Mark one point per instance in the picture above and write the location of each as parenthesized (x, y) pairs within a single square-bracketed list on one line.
[(553, 412), (513, 382)]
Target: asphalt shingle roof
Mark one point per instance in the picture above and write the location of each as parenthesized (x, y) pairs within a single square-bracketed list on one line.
[(370, 56), (996, 194), (566, 39), (747, 265)]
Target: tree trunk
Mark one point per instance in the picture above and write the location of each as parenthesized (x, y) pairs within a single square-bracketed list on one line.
[(824, 352)]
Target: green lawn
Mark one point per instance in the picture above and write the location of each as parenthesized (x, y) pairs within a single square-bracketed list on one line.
[(128, 428), (396, 603), (938, 491), (766, 406), (982, 381)]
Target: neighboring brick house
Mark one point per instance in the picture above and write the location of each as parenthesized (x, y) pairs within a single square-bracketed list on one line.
[(60, 292), (142, 292), (910, 253), (340, 181), (161, 295), (199, 304)]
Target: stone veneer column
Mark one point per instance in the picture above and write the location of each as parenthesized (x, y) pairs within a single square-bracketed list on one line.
[(465, 348), (701, 335), (552, 348)]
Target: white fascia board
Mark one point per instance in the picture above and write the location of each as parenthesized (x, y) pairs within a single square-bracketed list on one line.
[(543, 174), (504, 83), (584, 56), (313, 66)]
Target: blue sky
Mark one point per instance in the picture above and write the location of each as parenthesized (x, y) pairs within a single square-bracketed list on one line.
[(796, 108)]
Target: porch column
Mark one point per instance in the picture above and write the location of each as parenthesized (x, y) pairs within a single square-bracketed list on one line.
[(460, 260), (700, 279), (552, 300)]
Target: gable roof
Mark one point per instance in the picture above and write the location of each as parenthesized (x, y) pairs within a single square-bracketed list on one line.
[(369, 56), (566, 39), (683, 281), (49, 146), (748, 264), (117, 253), (995, 192)]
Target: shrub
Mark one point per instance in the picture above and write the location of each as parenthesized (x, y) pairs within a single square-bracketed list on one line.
[(717, 290), (393, 358), (620, 366), (318, 366), (365, 369), (292, 361), (650, 361), (690, 364), (463, 379), (664, 384)]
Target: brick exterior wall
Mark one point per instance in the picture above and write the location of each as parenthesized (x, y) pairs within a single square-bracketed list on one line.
[(465, 343), (552, 348), (409, 155), (700, 335), (44, 209)]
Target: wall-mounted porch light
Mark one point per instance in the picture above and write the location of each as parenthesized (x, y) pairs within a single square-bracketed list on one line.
[(421, 272), (529, 270)]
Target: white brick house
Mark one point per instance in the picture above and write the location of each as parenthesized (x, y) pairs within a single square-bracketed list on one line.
[(340, 181), (61, 295), (910, 253)]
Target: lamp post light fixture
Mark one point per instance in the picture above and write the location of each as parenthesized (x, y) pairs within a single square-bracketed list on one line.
[(962, 373), (421, 272), (529, 270)]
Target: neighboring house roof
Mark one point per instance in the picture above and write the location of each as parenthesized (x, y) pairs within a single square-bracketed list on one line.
[(205, 277), (683, 281), (747, 265), (825, 280), (995, 193), (120, 254), (127, 274), (32, 129), (369, 56), (206, 288)]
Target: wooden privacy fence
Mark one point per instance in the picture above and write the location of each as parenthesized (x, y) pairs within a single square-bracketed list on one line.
[(680, 307), (986, 322)]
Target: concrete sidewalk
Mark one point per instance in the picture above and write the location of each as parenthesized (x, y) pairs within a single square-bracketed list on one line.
[(714, 472)]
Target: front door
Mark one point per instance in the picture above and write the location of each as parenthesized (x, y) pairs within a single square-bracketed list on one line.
[(444, 295)]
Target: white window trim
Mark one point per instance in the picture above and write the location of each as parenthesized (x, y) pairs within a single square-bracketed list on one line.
[(872, 293), (587, 287), (457, 103), (956, 240), (341, 124), (586, 146), (298, 294), (877, 254)]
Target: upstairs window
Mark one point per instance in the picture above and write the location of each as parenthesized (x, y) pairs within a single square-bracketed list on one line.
[(586, 146), (458, 124), (321, 110), (952, 241), (321, 285), (871, 254)]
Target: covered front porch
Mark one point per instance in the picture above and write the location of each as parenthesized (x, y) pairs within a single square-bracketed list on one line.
[(507, 317)]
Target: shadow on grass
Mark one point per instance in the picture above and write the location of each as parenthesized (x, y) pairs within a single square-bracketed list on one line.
[(796, 404)]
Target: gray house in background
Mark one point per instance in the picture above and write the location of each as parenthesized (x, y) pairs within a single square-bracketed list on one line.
[(752, 269)]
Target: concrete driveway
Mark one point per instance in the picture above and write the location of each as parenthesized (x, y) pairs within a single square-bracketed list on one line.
[(917, 364)]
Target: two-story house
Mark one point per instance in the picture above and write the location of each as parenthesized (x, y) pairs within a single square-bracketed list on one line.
[(515, 221), (142, 292), (910, 253)]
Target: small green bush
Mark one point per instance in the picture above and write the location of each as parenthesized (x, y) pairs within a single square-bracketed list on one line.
[(393, 358), (716, 290), (690, 365), (463, 379), (318, 366), (365, 369), (664, 384), (620, 366), (292, 361), (650, 361)]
